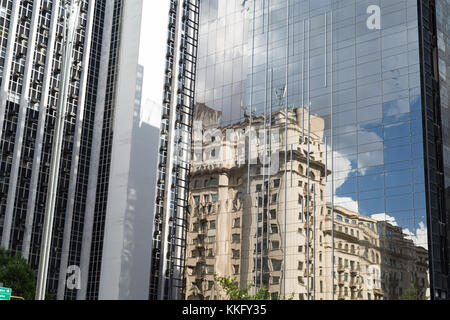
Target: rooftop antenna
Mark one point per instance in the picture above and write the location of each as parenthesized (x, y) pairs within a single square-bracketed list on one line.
[(280, 92), (71, 13)]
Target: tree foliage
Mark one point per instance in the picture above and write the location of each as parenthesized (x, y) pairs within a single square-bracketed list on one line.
[(233, 292), (15, 273), (412, 294)]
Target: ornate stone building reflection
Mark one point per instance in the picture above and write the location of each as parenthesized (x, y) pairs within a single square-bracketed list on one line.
[(257, 231), (374, 259)]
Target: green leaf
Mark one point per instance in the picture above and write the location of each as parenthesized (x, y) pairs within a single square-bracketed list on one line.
[(15, 273)]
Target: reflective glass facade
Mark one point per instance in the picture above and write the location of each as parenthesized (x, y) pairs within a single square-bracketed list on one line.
[(313, 170)]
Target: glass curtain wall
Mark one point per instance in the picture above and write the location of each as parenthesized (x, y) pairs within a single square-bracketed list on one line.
[(443, 59), (307, 175)]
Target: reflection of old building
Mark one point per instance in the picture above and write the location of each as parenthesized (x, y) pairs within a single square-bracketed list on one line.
[(224, 237), (357, 258), (377, 92), (403, 263), (373, 259)]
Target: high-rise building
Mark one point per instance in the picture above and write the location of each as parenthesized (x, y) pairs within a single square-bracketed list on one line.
[(320, 158), (172, 185), (101, 240)]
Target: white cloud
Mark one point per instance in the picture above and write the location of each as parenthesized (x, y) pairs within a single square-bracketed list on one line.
[(370, 153), (384, 217), (342, 168), (347, 203), (371, 158), (420, 238)]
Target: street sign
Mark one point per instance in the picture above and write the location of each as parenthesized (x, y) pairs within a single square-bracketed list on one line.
[(5, 294)]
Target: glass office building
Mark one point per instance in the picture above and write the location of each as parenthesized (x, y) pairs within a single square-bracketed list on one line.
[(319, 166)]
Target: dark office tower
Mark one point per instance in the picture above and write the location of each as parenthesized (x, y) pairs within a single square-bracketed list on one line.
[(438, 31), (171, 216), (101, 245), (320, 167)]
